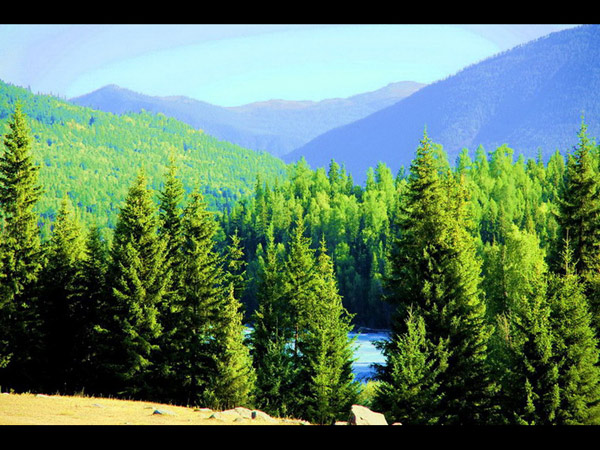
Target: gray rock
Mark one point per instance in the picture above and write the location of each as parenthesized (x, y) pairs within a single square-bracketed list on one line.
[(361, 415), (163, 411)]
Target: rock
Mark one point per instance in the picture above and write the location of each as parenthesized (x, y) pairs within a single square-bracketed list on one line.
[(244, 413), (263, 416), (163, 411), (361, 415)]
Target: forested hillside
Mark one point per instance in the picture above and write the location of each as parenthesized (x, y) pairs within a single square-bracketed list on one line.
[(276, 126), (93, 156), (530, 98), (486, 273)]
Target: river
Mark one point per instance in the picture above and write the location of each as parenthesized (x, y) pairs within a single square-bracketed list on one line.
[(367, 354)]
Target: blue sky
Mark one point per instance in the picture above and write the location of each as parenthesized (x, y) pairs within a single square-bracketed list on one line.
[(231, 65)]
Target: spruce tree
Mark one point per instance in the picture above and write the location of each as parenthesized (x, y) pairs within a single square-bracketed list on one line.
[(235, 377), (235, 269), (20, 253), (92, 309), (138, 278), (271, 333), (580, 207), (57, 304), (579, 220), (433, 268), (170, 231), (523, 345), (409, 390), (575, 348), (326, 350), (199, 309), (300, 280), (234, 380), (170, 212)]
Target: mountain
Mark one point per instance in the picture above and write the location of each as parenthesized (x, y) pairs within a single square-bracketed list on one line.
[(531, 98), (276, 126), (93, 156)]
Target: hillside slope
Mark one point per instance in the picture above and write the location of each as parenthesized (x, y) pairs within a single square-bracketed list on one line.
[(93, 156), (30, 409), (276, 126), (531, 97)]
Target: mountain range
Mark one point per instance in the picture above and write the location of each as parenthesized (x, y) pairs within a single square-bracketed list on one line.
[(532, 98), (276, 126)]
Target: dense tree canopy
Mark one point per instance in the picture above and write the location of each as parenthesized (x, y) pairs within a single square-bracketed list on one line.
[(485, 272)]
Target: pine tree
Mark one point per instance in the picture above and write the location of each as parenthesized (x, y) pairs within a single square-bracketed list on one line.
[(138, 279), (170, 231), (326, 350), (272, 331), (575, 348), (523, 344), (235, 377), (409, 390), (200, 304), (233, 384), (235, 266), (20, 252), (170, 212), (93, 312), (580, 207), (57, 304), (300, 280), (579, 220), (433, 269)]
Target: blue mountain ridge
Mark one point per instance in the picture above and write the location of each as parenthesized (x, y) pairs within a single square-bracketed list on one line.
[(532, 98), (275, 126)]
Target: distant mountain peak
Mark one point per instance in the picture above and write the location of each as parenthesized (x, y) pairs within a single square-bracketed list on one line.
[(277, 126), (530, 98)]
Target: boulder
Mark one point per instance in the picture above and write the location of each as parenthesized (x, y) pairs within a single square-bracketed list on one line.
[(163, 412), (361, 415)]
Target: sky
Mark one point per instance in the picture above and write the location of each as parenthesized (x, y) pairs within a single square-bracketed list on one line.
[(232, 65)]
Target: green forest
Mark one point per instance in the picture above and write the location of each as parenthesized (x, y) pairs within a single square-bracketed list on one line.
[(93, 156), (486, 272)]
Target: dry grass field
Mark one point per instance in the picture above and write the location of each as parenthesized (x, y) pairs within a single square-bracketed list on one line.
[(32, 409)]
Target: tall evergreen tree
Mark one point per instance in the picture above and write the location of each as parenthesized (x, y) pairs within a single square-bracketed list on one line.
[(170, 212), (57, 304), (170, 231), (138, 281), (20, 253), (409, 390), (234, 381), (434, 269), (575, 348), (579, 219), (580, 207), (93, 312), (326, 350), (200, 304), (235, 269), (300, 280), (528, 372), (272, 331)]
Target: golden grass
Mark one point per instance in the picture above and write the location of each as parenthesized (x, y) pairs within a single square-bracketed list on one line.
[(32, 409)]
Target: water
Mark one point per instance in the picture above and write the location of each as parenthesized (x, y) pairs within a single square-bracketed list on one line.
[(367, 354)]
